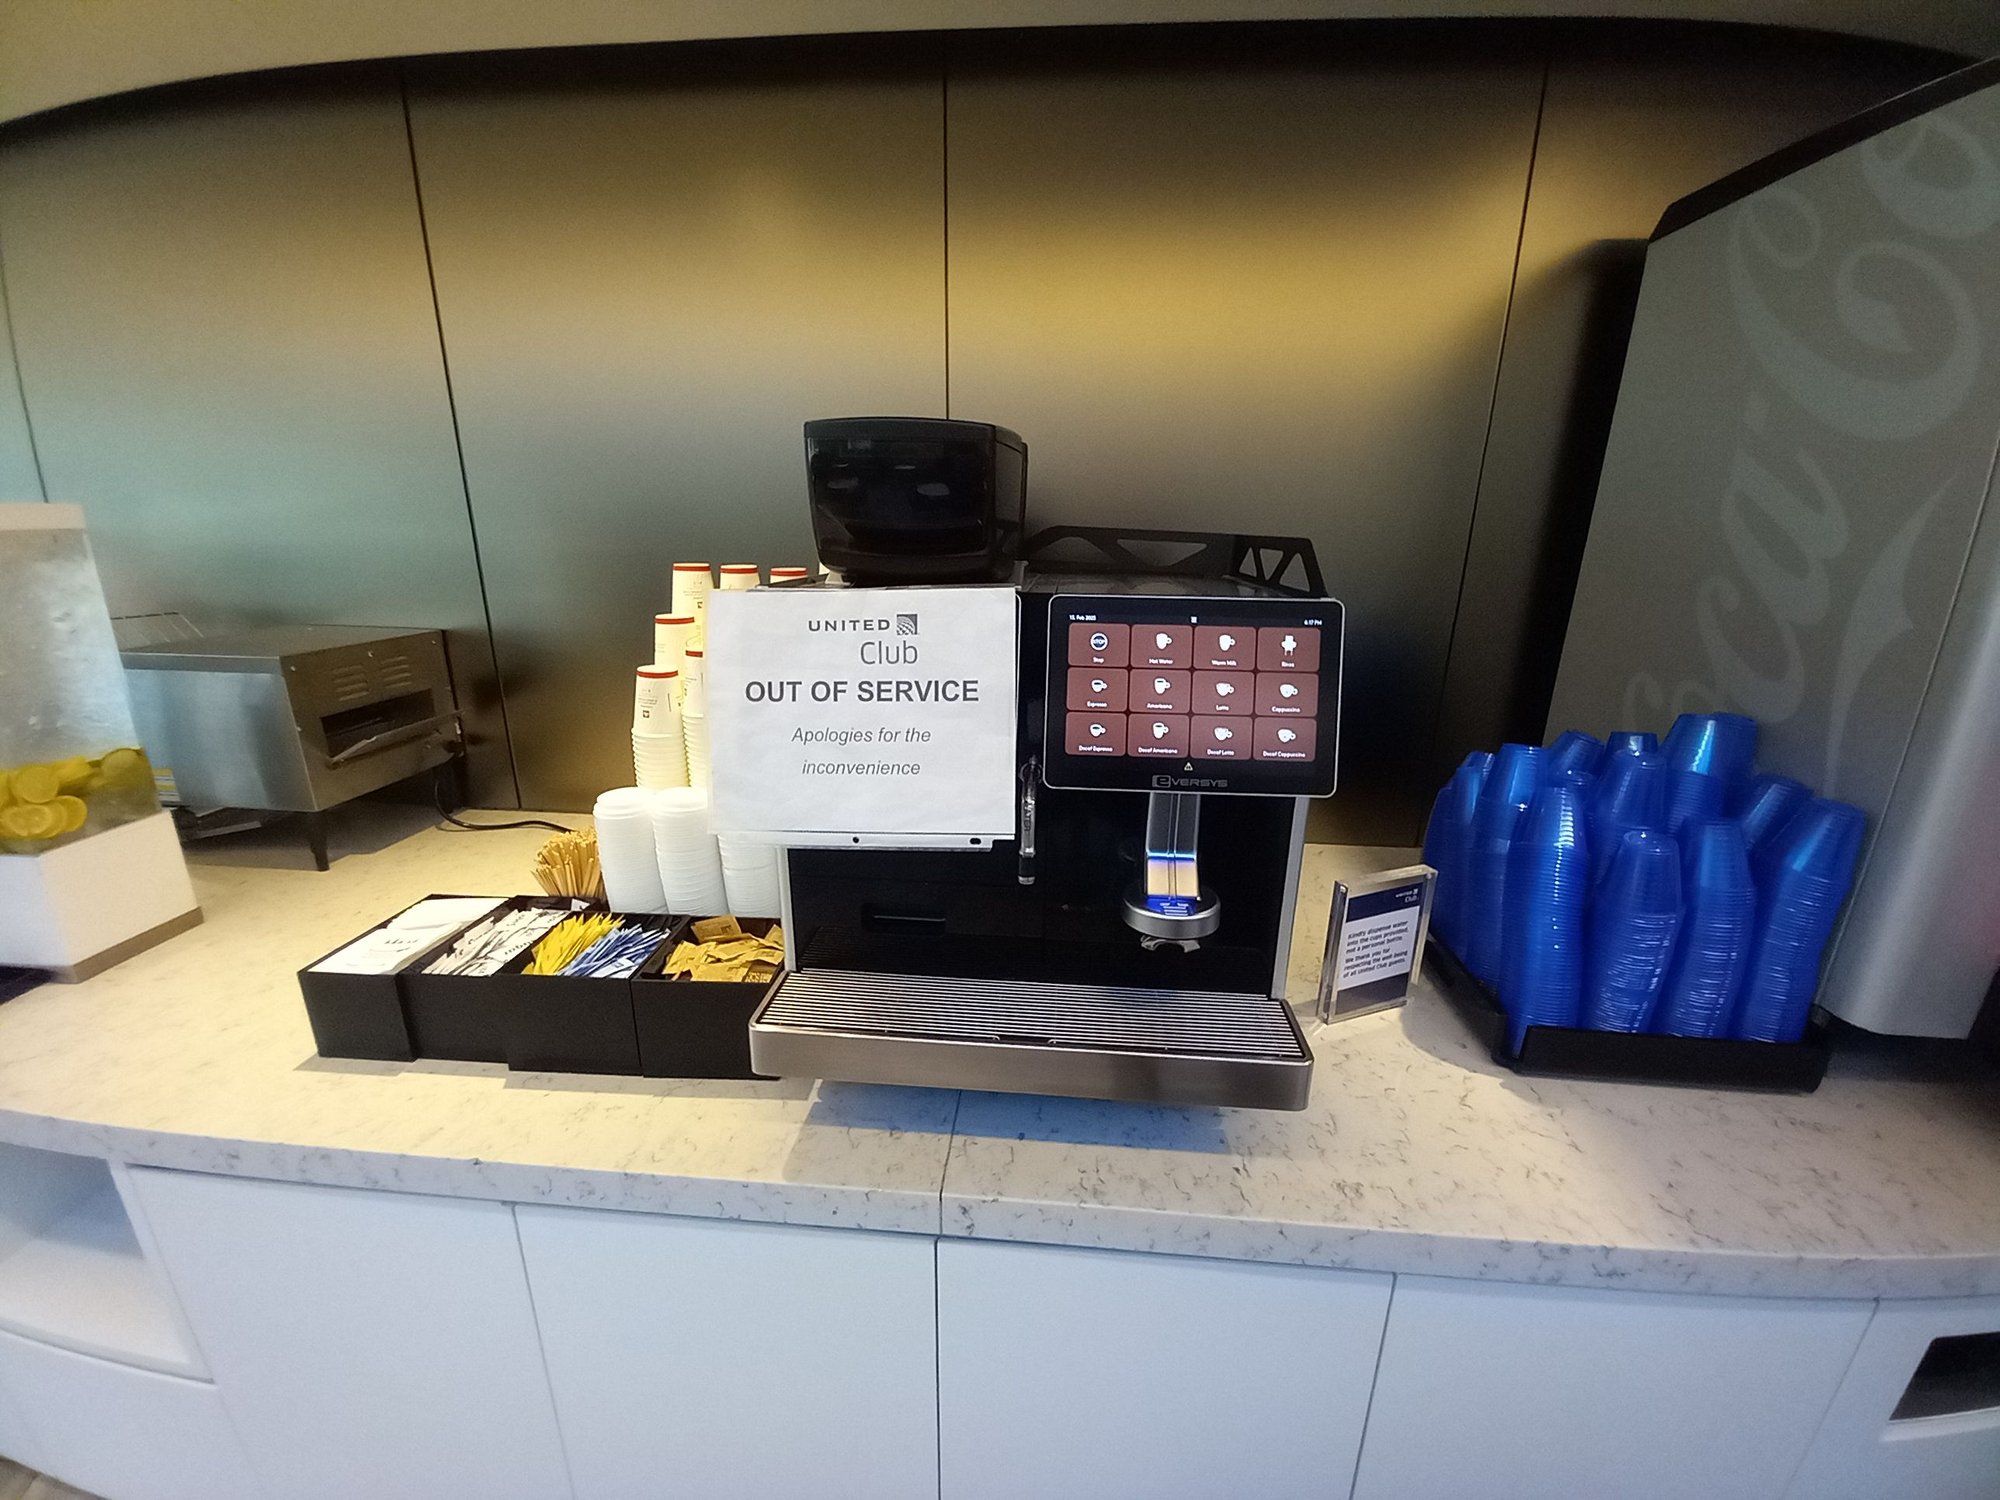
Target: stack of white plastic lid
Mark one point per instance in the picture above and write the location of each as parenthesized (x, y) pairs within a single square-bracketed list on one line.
[(749, 875), (694, 716), (739, 576), (625, 850), (659, 755), (689, 865)]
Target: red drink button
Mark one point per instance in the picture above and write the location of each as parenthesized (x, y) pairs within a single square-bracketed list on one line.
[(1157, 736), (1286, 739), (1162, 646), (1094, 734), (1161, 691), (1098, 645), (1290, 694), (1222, 739), (1288, 648), (1225, 647), (1098, 689), (1225, 693)]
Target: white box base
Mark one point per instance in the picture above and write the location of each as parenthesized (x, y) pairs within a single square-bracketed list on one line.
[(80, 902)]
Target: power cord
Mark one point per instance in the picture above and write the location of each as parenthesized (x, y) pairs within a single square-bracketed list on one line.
[(437, 797)]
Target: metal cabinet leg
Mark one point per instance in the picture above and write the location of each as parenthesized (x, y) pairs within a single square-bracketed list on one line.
[(315, 827)]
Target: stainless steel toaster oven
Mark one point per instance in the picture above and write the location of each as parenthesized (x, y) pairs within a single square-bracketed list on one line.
[(291, 718)]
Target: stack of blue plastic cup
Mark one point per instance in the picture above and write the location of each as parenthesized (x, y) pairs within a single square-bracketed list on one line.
[(1803, 873), (1574, 751), (1503, 801), (1693, 797), (1636, 915), (1632, 793), (1719, 907), (1721, 750), (1448, 843), (1722, 745), (1548, 882), (1766, 804), (1630, 741)]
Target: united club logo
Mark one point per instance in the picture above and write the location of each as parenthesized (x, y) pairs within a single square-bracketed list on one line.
[(906, 624)]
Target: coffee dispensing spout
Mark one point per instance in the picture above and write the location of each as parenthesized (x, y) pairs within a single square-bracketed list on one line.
[(1169, 906)]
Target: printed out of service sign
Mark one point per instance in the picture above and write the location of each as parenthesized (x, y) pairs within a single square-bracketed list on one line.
[(886, 715)]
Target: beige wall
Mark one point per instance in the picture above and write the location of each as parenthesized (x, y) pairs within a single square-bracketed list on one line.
[(1242, 279)]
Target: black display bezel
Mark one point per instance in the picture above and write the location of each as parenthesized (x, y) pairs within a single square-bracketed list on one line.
[(1068, 772)]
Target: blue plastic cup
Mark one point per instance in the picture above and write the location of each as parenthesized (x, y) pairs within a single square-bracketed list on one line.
[(1503, 800), (1449, 849), (1693, 797), (1574, 751), (1723, 745), (1631, 742), (1766, 804), (1632, 793), (1635, 917), (1548, 881), (1803, 872), (1712, 952)]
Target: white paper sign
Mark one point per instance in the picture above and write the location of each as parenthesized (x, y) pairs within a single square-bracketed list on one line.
[(878, 712), (1380, 945)]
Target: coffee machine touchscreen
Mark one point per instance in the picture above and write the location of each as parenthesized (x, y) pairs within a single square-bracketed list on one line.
[(1159, 693)]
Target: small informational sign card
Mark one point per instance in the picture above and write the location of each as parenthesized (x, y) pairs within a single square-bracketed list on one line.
[(1374, 941), (883, 715)]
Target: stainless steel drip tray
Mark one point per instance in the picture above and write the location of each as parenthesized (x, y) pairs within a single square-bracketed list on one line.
[(1078, 1040)]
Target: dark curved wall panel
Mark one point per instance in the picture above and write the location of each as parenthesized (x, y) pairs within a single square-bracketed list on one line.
[(490, 343)]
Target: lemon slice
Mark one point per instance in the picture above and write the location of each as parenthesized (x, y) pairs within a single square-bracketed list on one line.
[(36, 784), (6, 787), (73, 810), (72, 773), (30, 821), (124, 767)]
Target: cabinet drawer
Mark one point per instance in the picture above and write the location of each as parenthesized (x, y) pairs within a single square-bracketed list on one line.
[(119, 1431), (1952, 1450)]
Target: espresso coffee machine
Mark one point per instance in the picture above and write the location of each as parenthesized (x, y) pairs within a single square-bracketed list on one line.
[(1179, 703)]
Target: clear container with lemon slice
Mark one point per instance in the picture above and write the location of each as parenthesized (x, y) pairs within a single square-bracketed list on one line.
[(90, 867)]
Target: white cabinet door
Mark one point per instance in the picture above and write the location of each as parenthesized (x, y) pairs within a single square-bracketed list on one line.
[(17, 1439), (130, 1434), (708, 1359), (1096, 1373), (1862, 1453), (365, 1343), (1507, 1391)]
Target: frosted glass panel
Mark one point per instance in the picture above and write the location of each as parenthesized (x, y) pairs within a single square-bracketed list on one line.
[(69, 758)]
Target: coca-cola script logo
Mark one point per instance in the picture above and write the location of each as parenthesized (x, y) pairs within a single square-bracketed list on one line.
[(1872, 343)]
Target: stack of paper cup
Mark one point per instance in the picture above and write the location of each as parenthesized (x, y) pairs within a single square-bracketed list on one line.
[(659, 755), (692, 581), (671, 634), (688, 864), (749, 875), (694, 716), (739, 576), (789, 575), (625, 852)]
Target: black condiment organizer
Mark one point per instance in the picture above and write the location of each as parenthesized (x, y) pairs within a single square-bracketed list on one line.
[(1573, 1052), (361, 1015), (459, 1017), (565, 1023), (696, 1028)]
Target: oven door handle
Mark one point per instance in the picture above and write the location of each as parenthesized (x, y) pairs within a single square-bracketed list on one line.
[(389, 739)]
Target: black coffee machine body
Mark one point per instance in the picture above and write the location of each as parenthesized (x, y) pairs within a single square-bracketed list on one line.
[(1178, 707)]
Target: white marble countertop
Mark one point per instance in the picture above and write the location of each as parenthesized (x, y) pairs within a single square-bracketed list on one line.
[(1418, 1153)]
